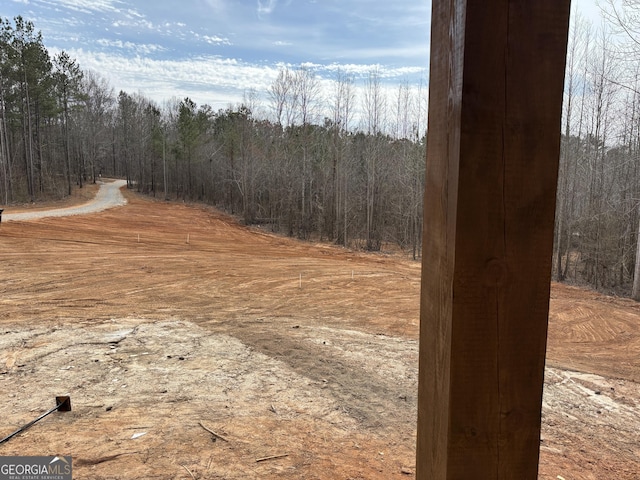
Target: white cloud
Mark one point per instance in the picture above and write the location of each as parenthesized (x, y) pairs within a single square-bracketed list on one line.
[(139, 48), (90, 6), (207, 79), (411, 51), (150, 48), (266, 7), (133, 13), (216, 40), (385, 72), (210, 80), (131, 22), (211, 40), (217, 5)]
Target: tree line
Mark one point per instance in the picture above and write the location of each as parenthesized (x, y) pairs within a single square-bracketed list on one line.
[(598, 201), (338, 160), (37, 95), (310, 170)]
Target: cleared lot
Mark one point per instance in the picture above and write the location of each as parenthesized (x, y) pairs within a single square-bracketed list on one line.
[(155, 317)]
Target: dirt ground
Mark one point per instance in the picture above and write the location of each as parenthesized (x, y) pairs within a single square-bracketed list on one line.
[(162, 320)]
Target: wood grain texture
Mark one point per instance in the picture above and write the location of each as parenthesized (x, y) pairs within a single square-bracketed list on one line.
[(497, 71)]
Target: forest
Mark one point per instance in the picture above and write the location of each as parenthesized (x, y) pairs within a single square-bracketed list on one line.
[(304, 172), (343, 164)]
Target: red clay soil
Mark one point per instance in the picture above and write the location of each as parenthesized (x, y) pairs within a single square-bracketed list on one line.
[(165, 322)]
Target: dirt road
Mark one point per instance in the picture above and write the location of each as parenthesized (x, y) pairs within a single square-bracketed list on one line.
[(155, 317), (108, 196)]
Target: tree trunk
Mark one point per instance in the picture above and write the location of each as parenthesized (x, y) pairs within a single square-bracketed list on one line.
[(635, 294)]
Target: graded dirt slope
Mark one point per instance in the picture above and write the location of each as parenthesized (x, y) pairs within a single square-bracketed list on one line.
[(156, 317)]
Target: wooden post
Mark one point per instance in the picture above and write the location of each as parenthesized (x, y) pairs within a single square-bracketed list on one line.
[(497, 71)]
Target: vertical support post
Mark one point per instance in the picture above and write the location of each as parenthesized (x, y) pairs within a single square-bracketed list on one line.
[(495, 102)]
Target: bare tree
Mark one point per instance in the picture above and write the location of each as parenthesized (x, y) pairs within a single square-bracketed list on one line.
[(569, 151), (374, 107), (404, 107), (342, 114), (284, 97)]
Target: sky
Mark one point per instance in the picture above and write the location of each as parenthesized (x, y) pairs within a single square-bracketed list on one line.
[(214, 51)]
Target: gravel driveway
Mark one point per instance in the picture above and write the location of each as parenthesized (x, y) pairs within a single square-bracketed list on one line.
[(108, 196)]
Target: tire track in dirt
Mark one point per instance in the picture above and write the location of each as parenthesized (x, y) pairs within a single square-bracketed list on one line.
[(114, 268), (262, 406), (383, 405)]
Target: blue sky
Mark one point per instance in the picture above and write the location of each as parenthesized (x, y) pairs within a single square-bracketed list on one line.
[(215, 50)]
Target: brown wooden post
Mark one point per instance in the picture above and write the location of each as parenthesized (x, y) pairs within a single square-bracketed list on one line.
[(495, 101)]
